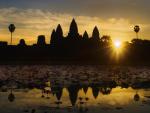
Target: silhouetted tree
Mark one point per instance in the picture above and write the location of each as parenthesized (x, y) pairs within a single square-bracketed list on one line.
[(96, 35), (73, 32), (136, 29), (22, 43), (11, 29), (85, 35), (137, 41), (106, 40), (41, 40)]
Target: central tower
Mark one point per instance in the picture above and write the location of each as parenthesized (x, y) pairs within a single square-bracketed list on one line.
[(73, 31)]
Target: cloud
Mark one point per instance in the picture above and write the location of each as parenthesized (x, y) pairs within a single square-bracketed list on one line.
[(32, 22), (138, 10)]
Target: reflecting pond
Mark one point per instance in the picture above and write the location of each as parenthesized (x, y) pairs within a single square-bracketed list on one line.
[(74, 89)]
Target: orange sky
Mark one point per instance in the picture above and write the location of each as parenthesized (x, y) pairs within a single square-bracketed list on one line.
[(32, 19), (31, 23)]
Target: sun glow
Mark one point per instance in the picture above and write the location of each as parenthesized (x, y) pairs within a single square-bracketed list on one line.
[(118, 47), (117, 44)]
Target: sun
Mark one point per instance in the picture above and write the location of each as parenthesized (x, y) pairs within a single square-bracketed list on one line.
[(117, 48), (117, 44)]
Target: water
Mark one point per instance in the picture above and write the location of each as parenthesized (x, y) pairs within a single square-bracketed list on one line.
[(74, 89)]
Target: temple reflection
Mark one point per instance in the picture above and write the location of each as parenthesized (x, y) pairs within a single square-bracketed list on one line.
[(85, 89), (136, 96), (73, 93), (95, 91), (79, 97), (68, 91), (77, 94)]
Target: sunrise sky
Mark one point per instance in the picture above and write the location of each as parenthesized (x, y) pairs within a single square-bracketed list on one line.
[(113, 17)]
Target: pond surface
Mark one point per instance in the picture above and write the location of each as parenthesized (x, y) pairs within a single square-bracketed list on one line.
[(74, 89)]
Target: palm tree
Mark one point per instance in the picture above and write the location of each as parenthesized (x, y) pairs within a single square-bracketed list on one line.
[(136, 96), (136, 29), (11, 97), (42, 94), (11, 29)]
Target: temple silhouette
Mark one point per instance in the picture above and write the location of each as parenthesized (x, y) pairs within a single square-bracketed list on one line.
[(100, 88), (74, 48)]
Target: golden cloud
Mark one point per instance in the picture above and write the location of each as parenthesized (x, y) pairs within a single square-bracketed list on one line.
[(32, 22)]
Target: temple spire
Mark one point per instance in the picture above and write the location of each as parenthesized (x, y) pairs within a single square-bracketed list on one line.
[(59, 32), (53, 36), (96, 34), (73, 31), (85, 35)]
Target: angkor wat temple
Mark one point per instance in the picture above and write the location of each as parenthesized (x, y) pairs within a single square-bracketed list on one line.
[(74, 48)]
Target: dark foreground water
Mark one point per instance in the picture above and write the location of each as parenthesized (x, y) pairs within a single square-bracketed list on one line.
[(74, 89)]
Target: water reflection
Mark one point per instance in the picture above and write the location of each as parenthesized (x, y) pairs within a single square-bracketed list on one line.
[(74, 95), (136, 97), (11, 96), (66, 92)]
